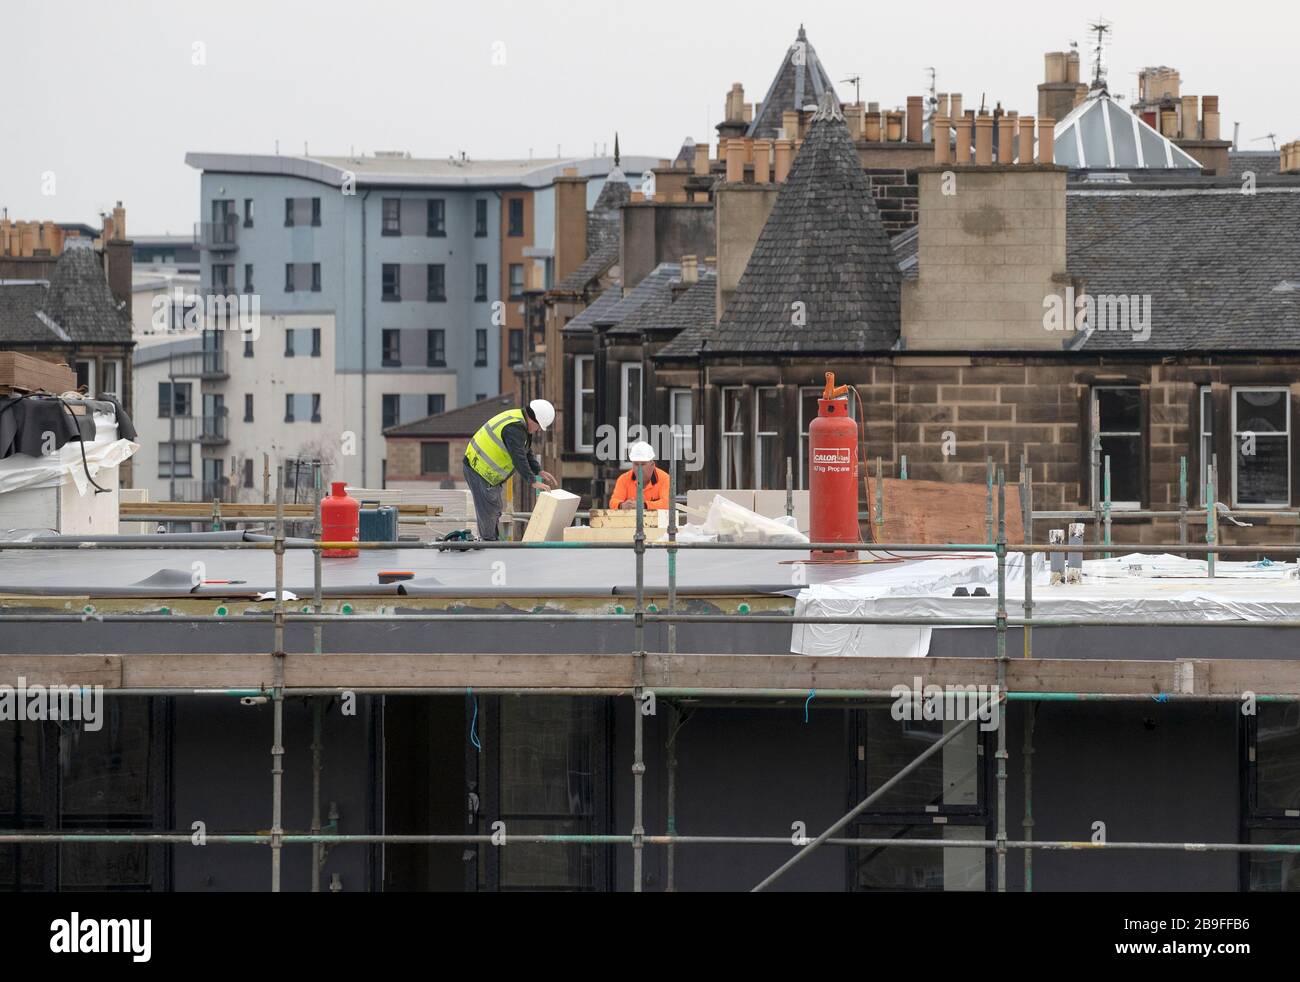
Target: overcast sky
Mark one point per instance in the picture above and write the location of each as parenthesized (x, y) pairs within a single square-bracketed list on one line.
[(107, 95)]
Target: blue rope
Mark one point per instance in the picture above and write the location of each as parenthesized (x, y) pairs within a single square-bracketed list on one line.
[(473, 723), (811, 695)]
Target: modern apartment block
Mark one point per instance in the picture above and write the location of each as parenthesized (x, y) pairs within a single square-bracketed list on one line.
[(387, 288)]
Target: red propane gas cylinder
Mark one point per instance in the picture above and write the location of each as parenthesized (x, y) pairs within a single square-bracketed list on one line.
[(340, 519), (833, 464)]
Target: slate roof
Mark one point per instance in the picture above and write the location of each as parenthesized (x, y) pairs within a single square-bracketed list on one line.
[(823, 246), (1222, 268), (20, 319), (801, 81), (462, 421), (693, 315), (76, 306), (672, 309), (1265, 163), (612, 307)]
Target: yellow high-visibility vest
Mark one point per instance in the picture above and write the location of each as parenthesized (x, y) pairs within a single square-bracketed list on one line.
[(487, 453)]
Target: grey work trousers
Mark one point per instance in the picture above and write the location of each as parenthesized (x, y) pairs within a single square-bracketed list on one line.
[(489, 500)]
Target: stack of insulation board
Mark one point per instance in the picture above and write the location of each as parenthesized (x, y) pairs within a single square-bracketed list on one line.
[(455, 509), (619, 525)]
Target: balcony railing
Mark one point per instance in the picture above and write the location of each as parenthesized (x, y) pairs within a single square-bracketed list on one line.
[(198, 364), (209, 430), (194, 490), (217, 236)]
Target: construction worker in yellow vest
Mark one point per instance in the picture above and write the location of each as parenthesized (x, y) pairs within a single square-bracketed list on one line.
[(502, 446)]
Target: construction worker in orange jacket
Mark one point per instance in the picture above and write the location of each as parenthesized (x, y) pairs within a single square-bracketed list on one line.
[(653, 480)]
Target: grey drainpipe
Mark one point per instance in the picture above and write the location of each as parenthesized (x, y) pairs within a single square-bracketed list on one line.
[(365, 365)]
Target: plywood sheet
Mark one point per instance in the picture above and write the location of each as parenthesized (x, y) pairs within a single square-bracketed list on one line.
[(940, 513)]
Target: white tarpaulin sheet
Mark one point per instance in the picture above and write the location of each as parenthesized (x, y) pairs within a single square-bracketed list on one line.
[(19, 471), (1153, 588)]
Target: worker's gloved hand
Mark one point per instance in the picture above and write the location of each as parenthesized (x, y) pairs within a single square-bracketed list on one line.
[(627, 504), (549, 478), (541, 486)]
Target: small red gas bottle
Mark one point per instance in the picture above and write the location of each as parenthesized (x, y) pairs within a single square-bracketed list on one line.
[(833, 466), (340, 519)]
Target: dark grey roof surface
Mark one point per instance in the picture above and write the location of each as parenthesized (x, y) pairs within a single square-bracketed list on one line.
[(1222, 268), (462, 421), (612, 307), (800, 81), (1264, 163), (693, 315), (76, 306), (672, 309), (81, 303), (589, 270), (20, 320), (823, 246)]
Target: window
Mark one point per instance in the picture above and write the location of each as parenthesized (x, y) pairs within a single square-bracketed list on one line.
[(733, 437), (516, 217), (480, 218), (392, 281), (85, 369), (516, 338), (248, 277), (480, 281), (248, 472), (175, 460), (584, 403), (436, 404), (248, 407), (288, 407), (392, 345), (392, 216), (315, 211), (110, 377), (437, 217), (288, 212), (315, 407), (392, 410), (1261, 426), (1207, 439), (288, 278), (315, 342), (480, 396), (288, 342), (629, 407), (516, 281), (1272, 806), (1117, 411), (681, 416), (480, 348), (944, 799), (248, 213), (437, 353), (223, 277), (769, 463), (315, 277), (173, 399), (437, 283), (434, 458), (248, 344), (808, 397)]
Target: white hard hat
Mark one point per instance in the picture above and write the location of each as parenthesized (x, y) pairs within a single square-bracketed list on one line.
[(543, 412), (640, 453)]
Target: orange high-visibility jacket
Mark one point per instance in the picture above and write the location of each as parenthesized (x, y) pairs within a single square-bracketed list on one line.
[(656, 492)]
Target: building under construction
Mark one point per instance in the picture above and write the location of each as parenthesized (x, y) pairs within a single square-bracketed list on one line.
[(651, 715)]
